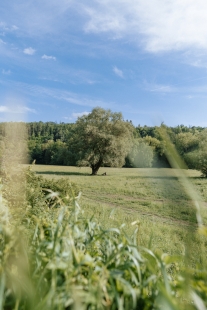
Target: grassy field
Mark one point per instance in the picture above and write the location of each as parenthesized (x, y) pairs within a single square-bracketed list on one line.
[(154, 197)]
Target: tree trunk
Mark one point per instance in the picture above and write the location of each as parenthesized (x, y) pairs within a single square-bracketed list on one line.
[(95, 168)]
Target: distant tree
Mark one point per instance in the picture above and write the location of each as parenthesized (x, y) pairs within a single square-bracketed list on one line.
[(186, 142), (201, 159), (101, 138), (192, 159), (141, 155)]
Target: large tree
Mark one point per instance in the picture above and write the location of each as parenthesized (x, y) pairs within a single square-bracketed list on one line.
[(101, 138)]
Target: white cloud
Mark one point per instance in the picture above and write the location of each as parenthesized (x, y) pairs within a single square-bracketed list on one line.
[(36, 18), (68, 118), (6, 72), (29, 51), (14, 27), (160, 88), (58, 94), (118, 72), (76, 115), (48, 57), (160, 26), (4, 27), (3, 108), (17, 109), (2, 42)]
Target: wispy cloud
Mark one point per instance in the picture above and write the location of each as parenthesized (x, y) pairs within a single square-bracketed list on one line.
[(6, 28), (16, 109), (58, 94), (3, 108), (14, 27), (160, 88), (183, 88), (76, 115), (118, 72), (36, 18), (48, 57), (162, 26), (2, 42), (67, 118), (6, 72), (29, 51)]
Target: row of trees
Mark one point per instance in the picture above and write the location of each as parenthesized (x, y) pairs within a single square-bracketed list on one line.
[(103, 138)]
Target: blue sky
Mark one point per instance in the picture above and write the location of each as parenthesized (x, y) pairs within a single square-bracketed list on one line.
[(146, 59)]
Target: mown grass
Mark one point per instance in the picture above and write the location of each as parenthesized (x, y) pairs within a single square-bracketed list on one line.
[(155, 197)]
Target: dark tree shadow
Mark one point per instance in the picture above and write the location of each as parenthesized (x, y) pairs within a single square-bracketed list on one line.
[(62, 173), (153, 177), (163, 177)]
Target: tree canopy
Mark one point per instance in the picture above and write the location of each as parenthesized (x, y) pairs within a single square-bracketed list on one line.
[(101, 138)]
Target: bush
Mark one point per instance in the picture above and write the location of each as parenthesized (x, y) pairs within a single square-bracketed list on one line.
[(141, 155), (191, 159), (202, 162), (40, 190)]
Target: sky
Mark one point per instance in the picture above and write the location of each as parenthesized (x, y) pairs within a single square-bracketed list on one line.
[(61, 58)]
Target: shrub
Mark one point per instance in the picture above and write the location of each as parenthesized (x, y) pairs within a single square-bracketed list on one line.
[(141, 155)]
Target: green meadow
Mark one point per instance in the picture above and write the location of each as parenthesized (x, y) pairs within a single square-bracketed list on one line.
[(156, 198)]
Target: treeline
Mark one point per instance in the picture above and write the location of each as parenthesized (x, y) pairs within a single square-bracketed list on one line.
[(47, 143)]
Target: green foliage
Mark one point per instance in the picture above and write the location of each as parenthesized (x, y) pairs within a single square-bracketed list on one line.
[(186, 142), (202, 154), (48, 131), (49, 153), (141, 155), (193, 147), (101, 138), (191, 159), (27, 191), (44, 192), (202, 161)]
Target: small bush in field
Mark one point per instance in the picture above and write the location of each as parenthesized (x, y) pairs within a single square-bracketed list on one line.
[(39, 188)]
